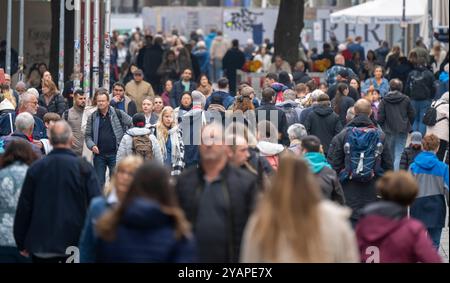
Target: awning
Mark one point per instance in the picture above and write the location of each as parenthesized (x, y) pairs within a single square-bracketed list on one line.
[(382, 12)]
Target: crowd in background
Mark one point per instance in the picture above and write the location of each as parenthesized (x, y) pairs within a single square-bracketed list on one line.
[(177, 162)]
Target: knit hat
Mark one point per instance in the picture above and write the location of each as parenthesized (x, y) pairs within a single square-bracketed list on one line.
[(416, 138)]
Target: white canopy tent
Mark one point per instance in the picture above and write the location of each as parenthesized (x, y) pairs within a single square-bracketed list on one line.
[(383, 12)]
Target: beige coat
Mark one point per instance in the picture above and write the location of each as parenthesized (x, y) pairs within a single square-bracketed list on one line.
[(441, 127), (138, 91), (339, 238), (219, 47)]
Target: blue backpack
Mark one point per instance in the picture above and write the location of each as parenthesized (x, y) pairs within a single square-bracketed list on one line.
[(362, 148)]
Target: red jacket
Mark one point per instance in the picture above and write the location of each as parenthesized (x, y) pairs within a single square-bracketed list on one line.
[(398, 239)]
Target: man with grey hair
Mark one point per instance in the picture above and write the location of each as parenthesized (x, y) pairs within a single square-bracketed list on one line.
[(21, 87), (54, 200), (296, 132), (41, 110), (350, 114), (291, 108), (29, 103), (24, 124)]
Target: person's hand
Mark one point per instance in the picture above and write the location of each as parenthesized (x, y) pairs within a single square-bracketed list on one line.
[(38, 143), (24, 253), (95, 150), (116, 98)]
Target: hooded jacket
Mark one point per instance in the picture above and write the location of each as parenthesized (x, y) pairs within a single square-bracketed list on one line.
[(227, 99), (150, 233), (323, 123), (441, 127), (126, 144), (327, 178), (396, 113), (399, 239), (432, 178)]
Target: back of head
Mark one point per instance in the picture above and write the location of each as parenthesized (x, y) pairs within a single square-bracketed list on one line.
[(362, 106), (223, 83), (339, 59), (267, 95), (311, 143), (431, 143), (272, 76), (61, 134), (284, 78), (198, 98), (296, 132), (323, 99), (399, 187), (24, 122), (289, 94), (235, 43), (396, 85), (18, 150)]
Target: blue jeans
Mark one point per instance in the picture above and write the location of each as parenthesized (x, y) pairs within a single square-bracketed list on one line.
[(396, 144), (101, 161), (420, 106), (435, 236), (216, 70)]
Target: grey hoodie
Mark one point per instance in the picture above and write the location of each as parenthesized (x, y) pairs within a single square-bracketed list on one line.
[(125, 147)]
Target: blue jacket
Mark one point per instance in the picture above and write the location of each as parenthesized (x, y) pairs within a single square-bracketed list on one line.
[(227, 99), (53, 202), (383, 88), (88, 240), (432, 178), (146, 234)]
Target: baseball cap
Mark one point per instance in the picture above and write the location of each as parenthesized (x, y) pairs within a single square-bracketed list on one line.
[(416, 138), (139, 120)]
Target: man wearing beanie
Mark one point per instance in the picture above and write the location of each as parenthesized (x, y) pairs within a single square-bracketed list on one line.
[(139, 141)]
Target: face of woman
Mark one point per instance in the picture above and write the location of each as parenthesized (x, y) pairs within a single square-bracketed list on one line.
[(158, 105), (378, 73), (204, 81), (47, 76), (171, 57), (167, 119), (45, 90), (147, 106), (346, 91), (123, 180), (133, 69), (168, 86), (186, 100), (354, 84)]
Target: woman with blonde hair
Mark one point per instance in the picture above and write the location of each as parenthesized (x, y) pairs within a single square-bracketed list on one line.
[(148, 225), (114, 193), (51, 99), (293, 224), (170, 140)]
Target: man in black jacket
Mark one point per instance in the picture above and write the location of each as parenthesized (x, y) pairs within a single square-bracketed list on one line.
[(357, 193), (395, 116), (323, 122), (217, 198), (181, 86), (420, 89), (54, 200), (268, 111), (149, 59), (233, 60), (326, 176)]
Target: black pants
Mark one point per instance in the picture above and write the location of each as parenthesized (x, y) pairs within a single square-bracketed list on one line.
[(36, 259)]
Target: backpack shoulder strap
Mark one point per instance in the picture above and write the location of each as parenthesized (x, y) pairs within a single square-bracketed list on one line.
[(120, 117), (66, 115)]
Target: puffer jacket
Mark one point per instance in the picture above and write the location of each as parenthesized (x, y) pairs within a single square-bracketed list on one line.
[(408, 156), (57, 104), (126, 144), (119, 125), (441, 127)]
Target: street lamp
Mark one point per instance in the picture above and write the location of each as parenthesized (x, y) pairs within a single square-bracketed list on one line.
[(404, 25)]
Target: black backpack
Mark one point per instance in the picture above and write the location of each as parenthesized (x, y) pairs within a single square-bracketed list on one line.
[(291, 115), (418, 85), (430, 117)]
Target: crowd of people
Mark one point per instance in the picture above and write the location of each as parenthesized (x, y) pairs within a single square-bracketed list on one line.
[(167, 166)]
